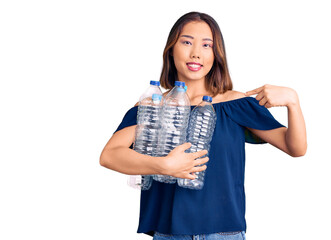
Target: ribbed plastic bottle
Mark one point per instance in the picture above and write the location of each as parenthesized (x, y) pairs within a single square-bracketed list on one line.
[(147, 130), (175, 116), (199, 134)]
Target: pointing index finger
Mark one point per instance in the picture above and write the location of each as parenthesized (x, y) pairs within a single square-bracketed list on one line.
[(255, 91)]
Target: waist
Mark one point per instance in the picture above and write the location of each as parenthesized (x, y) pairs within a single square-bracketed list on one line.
[(236, 235)]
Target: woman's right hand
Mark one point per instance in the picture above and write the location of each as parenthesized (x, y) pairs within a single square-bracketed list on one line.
[(180, 164)]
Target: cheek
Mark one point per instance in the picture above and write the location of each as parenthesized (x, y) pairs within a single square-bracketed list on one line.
[(209, 61), (178, 53), (179, 57), (176, 60)]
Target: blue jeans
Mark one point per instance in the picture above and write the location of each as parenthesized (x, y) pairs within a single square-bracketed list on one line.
[(213, 236)]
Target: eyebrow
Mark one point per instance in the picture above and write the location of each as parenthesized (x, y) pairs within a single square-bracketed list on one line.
[(188, 36)]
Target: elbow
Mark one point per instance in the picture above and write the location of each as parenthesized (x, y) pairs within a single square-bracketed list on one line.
[(299, 152), (104, 160), (101, 161), (296, 155)]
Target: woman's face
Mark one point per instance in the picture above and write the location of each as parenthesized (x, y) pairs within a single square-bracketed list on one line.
[(193, 52)]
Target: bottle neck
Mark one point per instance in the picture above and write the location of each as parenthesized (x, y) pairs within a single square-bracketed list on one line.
[(205, 103), (180, 89)]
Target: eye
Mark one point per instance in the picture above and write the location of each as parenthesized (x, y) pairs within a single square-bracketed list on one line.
[(187, 43), (207, 45)]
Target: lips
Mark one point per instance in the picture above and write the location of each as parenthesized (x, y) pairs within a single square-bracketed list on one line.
[(193, 66)]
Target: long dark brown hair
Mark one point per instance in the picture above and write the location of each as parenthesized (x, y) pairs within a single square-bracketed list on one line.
[(218, 79)]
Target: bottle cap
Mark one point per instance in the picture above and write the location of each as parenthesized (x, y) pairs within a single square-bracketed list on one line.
[(156, 97), (179, 84), (155, 83), (207, 99)]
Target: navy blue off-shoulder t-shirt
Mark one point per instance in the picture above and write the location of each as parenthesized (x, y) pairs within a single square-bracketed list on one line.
[(220, 205)]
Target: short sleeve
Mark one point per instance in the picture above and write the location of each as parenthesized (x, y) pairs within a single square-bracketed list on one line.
[(129, 119), (247, 112)]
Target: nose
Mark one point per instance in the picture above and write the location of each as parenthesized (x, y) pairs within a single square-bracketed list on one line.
[(195, 53), (195, 56)]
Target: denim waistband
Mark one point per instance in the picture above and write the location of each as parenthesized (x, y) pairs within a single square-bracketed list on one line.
[(237, 235)]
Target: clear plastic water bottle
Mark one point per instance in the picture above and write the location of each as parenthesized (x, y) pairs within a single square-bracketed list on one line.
[(147, 130), (175, 116), (199, 134)]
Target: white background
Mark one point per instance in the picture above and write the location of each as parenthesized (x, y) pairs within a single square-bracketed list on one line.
[(70, 70)]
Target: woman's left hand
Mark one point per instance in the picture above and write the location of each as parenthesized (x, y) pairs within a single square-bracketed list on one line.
[(274, 96)]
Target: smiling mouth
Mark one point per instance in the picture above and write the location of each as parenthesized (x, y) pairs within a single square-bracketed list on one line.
[(194, 66)]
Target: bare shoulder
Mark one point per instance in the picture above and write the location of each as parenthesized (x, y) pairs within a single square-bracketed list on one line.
[(228, 96), (236, 95)]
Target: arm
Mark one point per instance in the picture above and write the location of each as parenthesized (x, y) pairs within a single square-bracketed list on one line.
[(296, 136), (292, 140), (117, 156)]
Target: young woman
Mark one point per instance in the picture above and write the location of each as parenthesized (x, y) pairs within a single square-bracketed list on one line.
[(195, 54)]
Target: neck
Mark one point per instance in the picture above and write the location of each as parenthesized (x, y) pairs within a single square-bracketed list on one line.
[(196, 89)]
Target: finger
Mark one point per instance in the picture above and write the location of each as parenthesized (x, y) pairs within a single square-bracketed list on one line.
[(268, 105), (184, 146), (263, 101), (199, 169), (190, 176), (193, 175), (201, 161), (255, 91), (198, 154), (259, 96)]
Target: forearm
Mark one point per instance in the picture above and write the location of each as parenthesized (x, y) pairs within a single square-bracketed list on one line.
[(296, 138), (128, 161)]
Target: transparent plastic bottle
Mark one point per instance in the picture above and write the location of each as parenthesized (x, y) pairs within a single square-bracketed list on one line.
[(147, 131), (199, 134), (175, 116)]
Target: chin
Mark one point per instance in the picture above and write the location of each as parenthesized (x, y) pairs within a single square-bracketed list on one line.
[(196, 78)]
